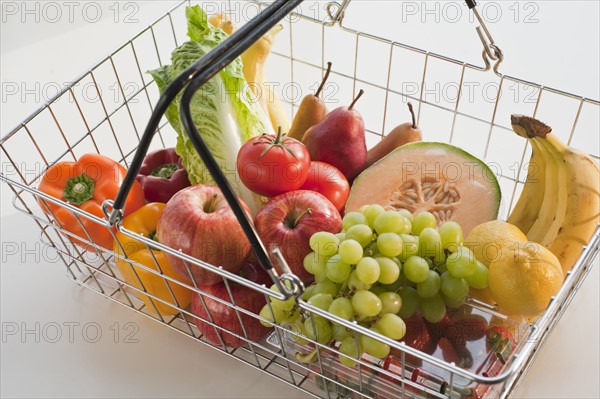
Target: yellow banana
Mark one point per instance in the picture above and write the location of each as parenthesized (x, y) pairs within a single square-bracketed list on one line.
[(560, 207), (570, 199), (582, 213), (254, 60), (550, 195), (528, 206)]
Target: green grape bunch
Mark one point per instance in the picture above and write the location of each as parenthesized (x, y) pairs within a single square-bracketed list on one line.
[(384, 266)]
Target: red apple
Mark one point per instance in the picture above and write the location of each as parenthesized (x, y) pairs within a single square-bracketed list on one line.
[(199, 222), (224, 314), (289, 220)]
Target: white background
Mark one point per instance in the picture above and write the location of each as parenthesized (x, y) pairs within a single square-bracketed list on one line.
[(550, 42)]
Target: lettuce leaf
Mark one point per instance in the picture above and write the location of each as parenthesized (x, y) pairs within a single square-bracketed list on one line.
[(224, 110)]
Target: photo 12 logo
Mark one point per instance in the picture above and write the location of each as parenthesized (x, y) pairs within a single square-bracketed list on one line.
[(456, 11), (69, 331), (69, 11)]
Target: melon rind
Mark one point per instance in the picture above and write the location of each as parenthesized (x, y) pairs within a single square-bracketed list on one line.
[(476, 193)]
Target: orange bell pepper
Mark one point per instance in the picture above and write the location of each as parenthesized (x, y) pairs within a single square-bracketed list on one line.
[(86, 184), (144, 221)]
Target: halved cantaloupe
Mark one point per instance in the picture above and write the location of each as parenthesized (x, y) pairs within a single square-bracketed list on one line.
[(436, 177)]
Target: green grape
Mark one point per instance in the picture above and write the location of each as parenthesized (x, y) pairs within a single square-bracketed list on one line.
[(393, 287), (311, 262), (321, 301), (355, 284), (390, 302), (340, 332), (462, 263), (416, 269), (363, 208), (350, 251), (431, 286), (324, 244), (361, 233), (453, 303), (479, 279), (374, 347), (337, 271), (342, 307), (366, 304), (389, 270), (410, 302), (286, 305), (371, 213), (295, 315), (452, 235), (371, 250), (297, 326), (421, 221), (389, 244), (367, 270), (277, 315), (391, 222), (352, 351), (317, 264), (433, 309), (308, 292), (430, 244), (378, 289), (407, 214), (454, 288), (410, 246), (321, 277), (392, 326), (341, 236), (321, 331), (352, 219), (326, 287)]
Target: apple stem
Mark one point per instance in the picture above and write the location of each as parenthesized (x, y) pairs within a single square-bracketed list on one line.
[(360, 93), (412, 113), (318, 92), (308, 211), (211, 204)]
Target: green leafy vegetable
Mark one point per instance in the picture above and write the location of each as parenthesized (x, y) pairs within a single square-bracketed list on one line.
[(224, 110)]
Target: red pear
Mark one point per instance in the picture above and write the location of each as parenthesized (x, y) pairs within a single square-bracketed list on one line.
[(339, 140)]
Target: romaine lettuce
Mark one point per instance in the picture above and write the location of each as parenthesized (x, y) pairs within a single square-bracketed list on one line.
[(224, 110)]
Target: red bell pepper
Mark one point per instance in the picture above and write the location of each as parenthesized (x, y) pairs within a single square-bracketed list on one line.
[(86, 184), (162, 175)]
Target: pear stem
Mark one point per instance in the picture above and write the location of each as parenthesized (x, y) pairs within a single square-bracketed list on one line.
[(412, 112), (318, 92), (360, 93)]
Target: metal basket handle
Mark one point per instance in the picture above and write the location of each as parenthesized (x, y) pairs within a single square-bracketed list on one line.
[(491, 51), (197, 75)]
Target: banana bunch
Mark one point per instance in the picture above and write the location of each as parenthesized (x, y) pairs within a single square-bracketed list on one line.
[(560, 203)]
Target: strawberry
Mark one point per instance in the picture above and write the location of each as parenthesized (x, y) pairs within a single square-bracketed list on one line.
[(466, 329), (473, 328), (452, 353), (417, 335), (438, 330), (448, 351)]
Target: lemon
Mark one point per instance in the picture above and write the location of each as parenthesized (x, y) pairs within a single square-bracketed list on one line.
[(488, 241), (524, 279)]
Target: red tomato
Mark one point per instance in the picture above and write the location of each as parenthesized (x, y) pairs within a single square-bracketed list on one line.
[(327, 180), (272, 165)]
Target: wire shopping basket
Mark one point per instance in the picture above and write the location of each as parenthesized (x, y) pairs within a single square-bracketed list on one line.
[(121, 129)]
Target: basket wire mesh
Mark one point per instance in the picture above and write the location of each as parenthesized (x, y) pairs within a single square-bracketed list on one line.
[(113, 126)]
